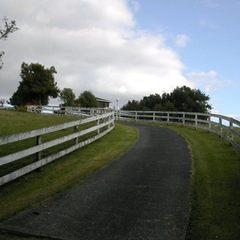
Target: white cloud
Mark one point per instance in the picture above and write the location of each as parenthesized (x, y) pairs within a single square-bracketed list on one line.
[(181, 40), (208, 81), (93, 44)]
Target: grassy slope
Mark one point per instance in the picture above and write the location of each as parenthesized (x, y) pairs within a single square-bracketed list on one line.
[(215, 199), (16, 122)]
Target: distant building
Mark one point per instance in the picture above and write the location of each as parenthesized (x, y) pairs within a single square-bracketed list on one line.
[(103, 103)]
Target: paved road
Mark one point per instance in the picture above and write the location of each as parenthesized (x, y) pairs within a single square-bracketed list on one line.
[(142, 196)]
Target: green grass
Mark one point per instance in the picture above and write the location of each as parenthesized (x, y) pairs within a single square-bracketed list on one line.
[(215, 197), (15, 122)]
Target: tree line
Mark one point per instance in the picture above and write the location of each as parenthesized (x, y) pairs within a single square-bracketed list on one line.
[(182, 99)]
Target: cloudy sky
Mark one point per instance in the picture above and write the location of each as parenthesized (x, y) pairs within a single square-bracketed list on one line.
[(125, 49)]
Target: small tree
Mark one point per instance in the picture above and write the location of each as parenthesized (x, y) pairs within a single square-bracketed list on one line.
[(68, 97), (87, 99), (37, 85), (7, 28)]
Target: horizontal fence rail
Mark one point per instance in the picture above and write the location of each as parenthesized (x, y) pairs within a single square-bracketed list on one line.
[(99, 126), (79, 111), (226, 127)]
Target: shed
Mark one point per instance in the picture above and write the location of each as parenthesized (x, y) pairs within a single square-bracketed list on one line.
[(103, 103)]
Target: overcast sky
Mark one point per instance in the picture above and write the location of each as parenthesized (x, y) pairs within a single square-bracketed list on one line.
[(124, 50)]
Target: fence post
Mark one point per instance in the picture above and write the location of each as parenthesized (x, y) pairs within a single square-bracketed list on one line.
[(98, 130), (221, 129), (231, 128), (196, 120), (135, 116), (209, 122), (38, 142), (168, 118), (183, 119), (76, 139), (153, 116), (109, 119)]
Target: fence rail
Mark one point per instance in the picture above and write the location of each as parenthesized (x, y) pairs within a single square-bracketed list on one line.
[(101, 125), (226, 127), (79, 111)]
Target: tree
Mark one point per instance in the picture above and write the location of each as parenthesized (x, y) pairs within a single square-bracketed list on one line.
[(87, 99), (132, 105), (189, 100), (180, 99), (68, 97), (7, 28), (37, 85)]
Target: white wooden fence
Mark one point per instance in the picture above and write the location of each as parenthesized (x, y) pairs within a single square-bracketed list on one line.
[(226, 127), (82, 112), (102, 124)]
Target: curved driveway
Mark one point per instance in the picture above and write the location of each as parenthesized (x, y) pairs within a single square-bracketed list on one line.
[(142, 196)]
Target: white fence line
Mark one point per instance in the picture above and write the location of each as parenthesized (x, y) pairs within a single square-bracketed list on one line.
[(226, 127), (103, 124), (80, 111)]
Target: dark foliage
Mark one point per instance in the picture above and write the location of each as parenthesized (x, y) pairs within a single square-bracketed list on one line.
[(68, 97), (180, 99), (37, 85), (87, 99)]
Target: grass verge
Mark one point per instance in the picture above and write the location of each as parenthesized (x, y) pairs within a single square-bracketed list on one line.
[(215, 197)]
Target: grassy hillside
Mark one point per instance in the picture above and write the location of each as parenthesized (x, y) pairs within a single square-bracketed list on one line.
[(16, 122)]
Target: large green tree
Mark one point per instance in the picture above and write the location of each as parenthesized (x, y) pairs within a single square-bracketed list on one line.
[(37, 85), (180, 99), (190, 100), (68, 97), (7, 28), (87, 99)]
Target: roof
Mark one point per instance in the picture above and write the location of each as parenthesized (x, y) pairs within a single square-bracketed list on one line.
[(102, 100)]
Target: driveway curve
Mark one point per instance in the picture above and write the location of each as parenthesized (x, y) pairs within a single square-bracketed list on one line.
[(142, 196)]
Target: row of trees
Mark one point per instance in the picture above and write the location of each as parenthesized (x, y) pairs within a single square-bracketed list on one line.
[(86, 99), (38, 84), (180, 99)]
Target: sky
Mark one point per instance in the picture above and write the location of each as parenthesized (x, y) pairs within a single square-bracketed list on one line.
[(127, 49)]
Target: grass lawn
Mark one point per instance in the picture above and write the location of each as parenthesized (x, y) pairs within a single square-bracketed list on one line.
[(17, 122), (215, 197)]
